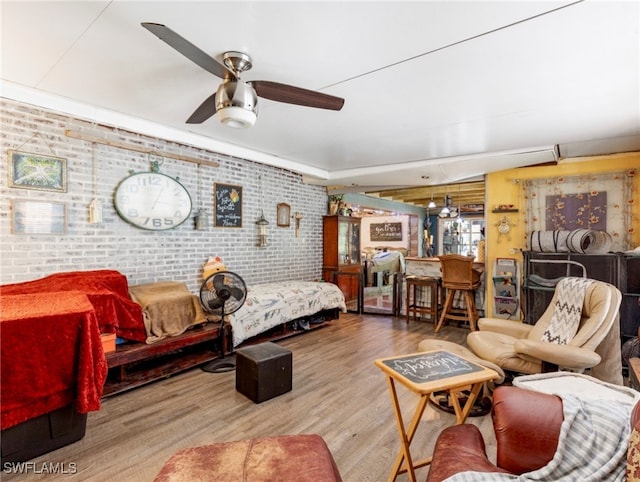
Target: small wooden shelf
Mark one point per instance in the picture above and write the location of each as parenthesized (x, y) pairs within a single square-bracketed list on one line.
[(504, 210)]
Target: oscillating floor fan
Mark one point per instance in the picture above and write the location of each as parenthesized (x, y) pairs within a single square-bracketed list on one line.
[(222, 294)]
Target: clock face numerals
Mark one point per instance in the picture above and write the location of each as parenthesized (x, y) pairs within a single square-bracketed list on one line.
[(504, 228), (153, 201)]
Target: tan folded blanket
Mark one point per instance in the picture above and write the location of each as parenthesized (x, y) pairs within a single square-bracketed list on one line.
[(168, 308)]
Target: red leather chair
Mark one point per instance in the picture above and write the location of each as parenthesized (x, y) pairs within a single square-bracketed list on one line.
[(526, 424)]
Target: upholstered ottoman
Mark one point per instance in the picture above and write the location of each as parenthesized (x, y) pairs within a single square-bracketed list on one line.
[(441, 400), (437, 344), (263, 371), (270, 459)]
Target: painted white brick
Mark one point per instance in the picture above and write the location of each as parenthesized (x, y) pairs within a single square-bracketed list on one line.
[(151, 256)]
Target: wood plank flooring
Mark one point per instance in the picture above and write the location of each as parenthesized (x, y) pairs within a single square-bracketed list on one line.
[(337, 392)]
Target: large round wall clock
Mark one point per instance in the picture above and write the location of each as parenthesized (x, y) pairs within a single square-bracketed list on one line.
[(153, 201)]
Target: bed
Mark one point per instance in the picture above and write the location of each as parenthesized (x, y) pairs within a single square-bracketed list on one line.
[(272, 304)]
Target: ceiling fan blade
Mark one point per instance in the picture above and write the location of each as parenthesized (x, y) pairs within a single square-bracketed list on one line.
[(189, 50), (296, 95), (204, 111)]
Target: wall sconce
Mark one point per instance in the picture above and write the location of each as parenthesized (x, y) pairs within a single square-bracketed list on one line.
[(201, 220), (262, 224)]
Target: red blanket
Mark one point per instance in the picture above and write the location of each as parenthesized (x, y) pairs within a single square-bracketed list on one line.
[(108, 292), (51, 355)]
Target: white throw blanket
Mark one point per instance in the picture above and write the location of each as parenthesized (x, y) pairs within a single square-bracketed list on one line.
[(567, 311), (592, 446)]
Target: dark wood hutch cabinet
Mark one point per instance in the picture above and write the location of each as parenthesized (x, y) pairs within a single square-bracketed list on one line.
[(341, 260)]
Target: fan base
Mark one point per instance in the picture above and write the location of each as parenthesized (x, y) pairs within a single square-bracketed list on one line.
[(221, 365)]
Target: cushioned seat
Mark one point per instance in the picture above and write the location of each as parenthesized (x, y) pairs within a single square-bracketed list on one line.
[(268, 459), (528, 349), (458, 275)]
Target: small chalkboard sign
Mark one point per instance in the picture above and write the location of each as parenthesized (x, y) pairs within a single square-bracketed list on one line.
[(430, 366), (385, 232), (227, 206)]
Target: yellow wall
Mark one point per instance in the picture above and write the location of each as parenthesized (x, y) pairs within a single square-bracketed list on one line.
[(503, 188)]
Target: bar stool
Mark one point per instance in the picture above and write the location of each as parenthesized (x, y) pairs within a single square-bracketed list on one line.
[(458, 275), (415, 287)]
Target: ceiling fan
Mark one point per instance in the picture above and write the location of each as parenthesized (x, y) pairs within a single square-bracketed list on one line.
[(236, 101)]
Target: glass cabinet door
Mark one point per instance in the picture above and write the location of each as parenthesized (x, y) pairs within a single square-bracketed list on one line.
[(349, 243), (354, 243)]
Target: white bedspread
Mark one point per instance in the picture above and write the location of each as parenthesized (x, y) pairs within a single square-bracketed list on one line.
[(272, 304)]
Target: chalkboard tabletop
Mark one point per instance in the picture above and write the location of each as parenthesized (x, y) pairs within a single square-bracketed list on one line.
[(426, 372)]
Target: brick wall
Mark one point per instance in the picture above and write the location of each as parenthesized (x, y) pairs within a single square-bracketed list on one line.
[(145, 256)]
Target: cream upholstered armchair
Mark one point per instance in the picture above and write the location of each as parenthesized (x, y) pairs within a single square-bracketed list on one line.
[(593, 343)]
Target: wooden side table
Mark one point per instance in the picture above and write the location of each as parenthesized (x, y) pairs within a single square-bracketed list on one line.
[(425, 373)]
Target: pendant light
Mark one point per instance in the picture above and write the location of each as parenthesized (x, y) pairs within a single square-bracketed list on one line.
[(444, 213), (432, 203)]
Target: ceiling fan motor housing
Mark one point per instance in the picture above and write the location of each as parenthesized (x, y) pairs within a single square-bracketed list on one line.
[(236, 104)]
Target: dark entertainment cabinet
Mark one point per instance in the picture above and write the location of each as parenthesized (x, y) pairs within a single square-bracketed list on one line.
[(619, 269)]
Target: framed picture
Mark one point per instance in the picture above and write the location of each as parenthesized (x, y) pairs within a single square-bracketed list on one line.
[(284, 215), (227, 206), (37, 171), (38, 217)]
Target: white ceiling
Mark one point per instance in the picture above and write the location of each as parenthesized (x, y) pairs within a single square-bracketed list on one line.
[(440, 89)]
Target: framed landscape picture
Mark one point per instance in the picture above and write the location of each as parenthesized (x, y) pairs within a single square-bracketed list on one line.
[(37, 171)]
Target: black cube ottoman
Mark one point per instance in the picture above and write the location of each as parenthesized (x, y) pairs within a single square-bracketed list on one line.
[(263, 371)]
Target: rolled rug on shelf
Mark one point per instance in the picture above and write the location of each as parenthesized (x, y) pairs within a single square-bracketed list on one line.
[(549, 241), (589, 241)]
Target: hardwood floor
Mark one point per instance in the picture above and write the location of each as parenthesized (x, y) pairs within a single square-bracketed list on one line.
[(337, 392)]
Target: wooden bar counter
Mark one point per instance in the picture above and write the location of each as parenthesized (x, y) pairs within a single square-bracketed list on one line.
[(431, 267)]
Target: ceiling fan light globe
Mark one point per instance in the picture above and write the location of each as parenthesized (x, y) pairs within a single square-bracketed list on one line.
[(237, 117)]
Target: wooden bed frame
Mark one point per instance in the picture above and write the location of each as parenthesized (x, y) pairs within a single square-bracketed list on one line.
[(134, 364)]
